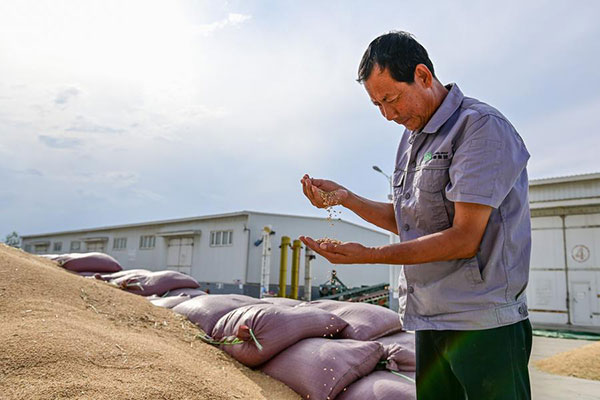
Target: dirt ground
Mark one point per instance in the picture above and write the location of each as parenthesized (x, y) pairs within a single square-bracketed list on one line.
[(582, 362), (64, 336)]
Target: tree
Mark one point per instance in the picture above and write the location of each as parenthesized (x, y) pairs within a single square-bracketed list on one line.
[(13, 239)]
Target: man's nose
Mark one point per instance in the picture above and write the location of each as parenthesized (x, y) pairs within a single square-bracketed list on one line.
[(388, 112)]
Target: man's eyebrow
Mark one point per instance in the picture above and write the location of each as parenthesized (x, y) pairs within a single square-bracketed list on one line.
[(384, 99), (388, 95)]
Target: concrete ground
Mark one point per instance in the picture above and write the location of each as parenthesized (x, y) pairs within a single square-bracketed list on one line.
[(546, 386)]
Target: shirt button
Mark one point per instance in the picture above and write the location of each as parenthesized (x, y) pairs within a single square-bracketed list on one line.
[(521, 310), (411, 289), (407, 195), (406, 227)]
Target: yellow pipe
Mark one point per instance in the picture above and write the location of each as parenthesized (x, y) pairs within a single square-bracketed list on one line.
[(295, 268), (285, 243)]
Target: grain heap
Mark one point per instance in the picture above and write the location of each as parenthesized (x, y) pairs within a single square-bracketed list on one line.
[(63, 336), (582, 362)]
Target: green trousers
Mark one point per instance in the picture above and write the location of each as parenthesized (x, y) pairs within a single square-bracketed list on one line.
[(488, 364)]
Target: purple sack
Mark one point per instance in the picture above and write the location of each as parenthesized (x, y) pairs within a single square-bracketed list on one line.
[(147, 284), (175, 297), (88, 262), (170, 301), (319, 369), (382, 385), (399, 351), (276, 327), (365, 321), (120, 274), (186, 291), (205, 311), (282, 301), (87, 274)]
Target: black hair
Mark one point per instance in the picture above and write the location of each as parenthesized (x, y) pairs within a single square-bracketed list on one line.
[(399, 52)]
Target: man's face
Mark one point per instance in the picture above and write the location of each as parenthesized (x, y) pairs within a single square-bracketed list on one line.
[(408, 104)]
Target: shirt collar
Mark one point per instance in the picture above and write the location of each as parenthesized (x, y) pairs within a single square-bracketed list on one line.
[(449, 105)]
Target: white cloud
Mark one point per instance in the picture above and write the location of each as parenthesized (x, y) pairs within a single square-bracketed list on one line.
[(29, 171), (82, 124), (65, 95), (233, 19), (60, 142)]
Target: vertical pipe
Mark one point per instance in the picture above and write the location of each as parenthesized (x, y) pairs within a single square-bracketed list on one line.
[(265, 268), (308, 256), (297, 245), (285, 243), (564, 232), (249, 236)]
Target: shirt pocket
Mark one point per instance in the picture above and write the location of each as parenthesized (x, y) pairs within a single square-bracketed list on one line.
[(397, 182), (473, 271), (430, 202)]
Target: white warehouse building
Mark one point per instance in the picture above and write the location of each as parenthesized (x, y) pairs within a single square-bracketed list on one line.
[(564, 281), (223, 252)]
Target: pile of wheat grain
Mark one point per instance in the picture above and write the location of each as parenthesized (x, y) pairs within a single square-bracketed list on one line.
[(582, 362), (64, 336)]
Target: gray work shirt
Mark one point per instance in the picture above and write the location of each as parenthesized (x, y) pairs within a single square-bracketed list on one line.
[(467, 152)]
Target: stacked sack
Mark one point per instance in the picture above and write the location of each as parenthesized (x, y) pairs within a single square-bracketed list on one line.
[(86, 263), (162, 288), (150, 283), (322, 349)]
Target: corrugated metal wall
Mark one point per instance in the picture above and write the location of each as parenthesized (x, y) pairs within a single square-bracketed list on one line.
[(564, 284)]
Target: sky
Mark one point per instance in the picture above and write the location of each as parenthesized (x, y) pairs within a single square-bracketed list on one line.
[(116, 112)]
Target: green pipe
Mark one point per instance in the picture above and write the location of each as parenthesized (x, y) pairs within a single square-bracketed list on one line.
[(295, 267), (285, 243)]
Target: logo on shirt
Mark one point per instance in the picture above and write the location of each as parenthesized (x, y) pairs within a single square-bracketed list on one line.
[(438, 155)]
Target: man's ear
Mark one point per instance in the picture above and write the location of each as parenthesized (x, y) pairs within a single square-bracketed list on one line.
[(423, 76)]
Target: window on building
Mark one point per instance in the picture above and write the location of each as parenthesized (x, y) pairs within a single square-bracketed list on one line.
[(40, 248), (147, 242), (95, 246), (57, 246), (75, 245), (119, 243), (221, 238), (28, 248)]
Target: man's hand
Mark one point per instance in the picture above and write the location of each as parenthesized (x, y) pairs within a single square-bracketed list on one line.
[(323, 193), (344, 253)]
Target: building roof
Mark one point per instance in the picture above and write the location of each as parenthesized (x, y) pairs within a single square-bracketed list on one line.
[(190, 219), (563, 179), (575, 191)]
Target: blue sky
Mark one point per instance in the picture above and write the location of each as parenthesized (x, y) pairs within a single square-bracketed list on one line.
[(115, 112)]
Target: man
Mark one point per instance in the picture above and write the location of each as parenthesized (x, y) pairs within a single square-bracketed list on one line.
[(461, 210)]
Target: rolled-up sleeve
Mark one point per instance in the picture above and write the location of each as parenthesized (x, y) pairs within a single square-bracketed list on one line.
[(486, 163)]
